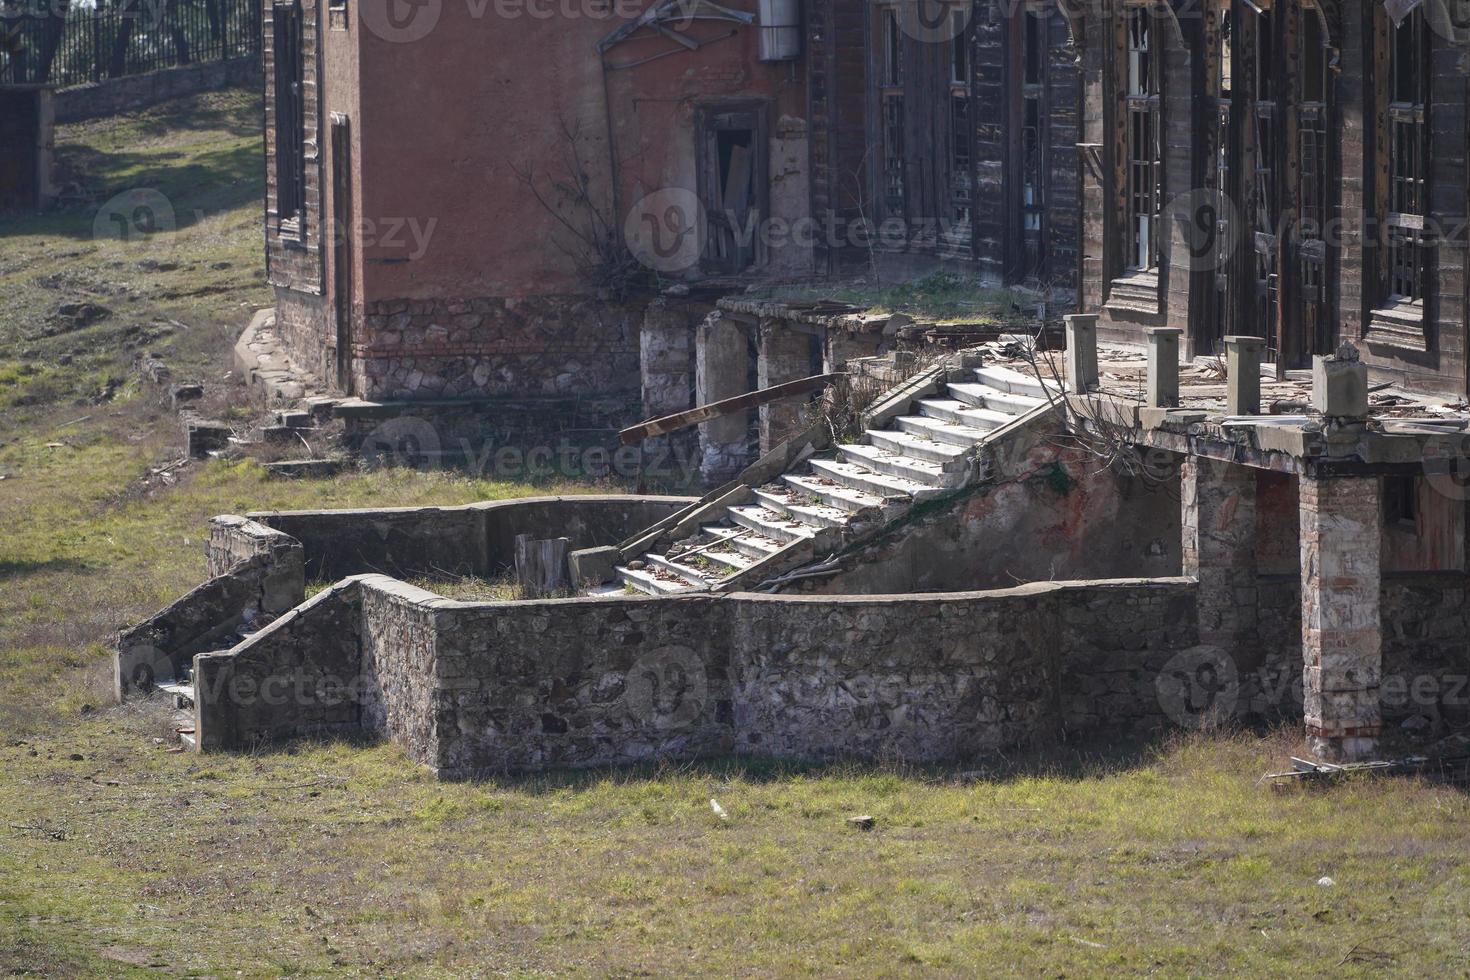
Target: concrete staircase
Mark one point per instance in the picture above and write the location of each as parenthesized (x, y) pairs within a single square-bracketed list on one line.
[(930, 447)]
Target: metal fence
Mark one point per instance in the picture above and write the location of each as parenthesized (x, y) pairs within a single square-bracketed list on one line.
[(61, 43)]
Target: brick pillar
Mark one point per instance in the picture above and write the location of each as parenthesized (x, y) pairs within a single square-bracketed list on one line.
[(722, 370), (846, 345), (784, 355), (1342, 646), (1219, 549)]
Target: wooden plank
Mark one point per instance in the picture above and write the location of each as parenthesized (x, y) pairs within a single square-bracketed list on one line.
[(714, 410), (541, 565)]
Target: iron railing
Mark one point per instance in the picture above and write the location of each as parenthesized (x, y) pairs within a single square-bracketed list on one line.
[(64, 43)]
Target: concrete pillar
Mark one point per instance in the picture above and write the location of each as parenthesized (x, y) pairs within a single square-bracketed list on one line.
[(1342, 644), (1163, 367), (722, 370), (1243, 364), (785, 354), (1340, 384), (1082, 351), (1218, 524)]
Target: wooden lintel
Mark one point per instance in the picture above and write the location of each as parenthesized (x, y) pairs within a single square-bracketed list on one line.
[(714, 410)]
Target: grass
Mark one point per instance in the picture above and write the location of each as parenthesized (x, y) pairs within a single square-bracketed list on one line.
[(119, 857), (941, 297)]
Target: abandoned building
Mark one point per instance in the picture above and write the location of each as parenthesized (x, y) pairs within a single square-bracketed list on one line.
[(469, 213), (1235, 493), (1292, 171)]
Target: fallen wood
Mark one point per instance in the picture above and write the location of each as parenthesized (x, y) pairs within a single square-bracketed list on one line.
[(714, 410)]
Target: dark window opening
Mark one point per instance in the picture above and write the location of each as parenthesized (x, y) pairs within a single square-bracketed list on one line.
[(290, 128), (892, 49), (959, 57), (1035, 47), (1400, 500), (1145, 143), (1407, 209)]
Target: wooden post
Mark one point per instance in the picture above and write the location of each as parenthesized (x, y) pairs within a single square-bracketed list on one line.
[(541, 565)]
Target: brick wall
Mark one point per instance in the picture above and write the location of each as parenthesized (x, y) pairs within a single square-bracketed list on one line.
[(294, 265)]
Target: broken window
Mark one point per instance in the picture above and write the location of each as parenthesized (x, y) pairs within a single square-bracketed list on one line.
[(892, 111), (1408, 94), (1145, 141), (1315, 160), (290, 129), (1263, 168), (1033, 169), (959, 48), (732, 182)]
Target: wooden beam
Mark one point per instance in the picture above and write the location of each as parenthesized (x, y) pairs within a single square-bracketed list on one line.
[(714, 410)]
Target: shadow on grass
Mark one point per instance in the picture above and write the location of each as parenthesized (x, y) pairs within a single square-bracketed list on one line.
[(21, 569)]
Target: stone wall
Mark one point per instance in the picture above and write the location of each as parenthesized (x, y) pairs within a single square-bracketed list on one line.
[(475, 539), (476, 688), (300, 675), (255, 573), (112, 96), (481, 346), (1046, 512)]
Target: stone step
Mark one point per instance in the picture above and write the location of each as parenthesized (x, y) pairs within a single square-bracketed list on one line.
[(769, 523), (839, 495), (693, 574), (918, 470), (815, 515), (743, 540), (862, 478), (949, 433), (645, 581), (730, 561), (950, 410), (985, 396), (1010, 380), (916, 446)]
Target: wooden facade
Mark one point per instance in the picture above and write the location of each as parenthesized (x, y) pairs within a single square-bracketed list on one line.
[(950, 131), (1290, 169)]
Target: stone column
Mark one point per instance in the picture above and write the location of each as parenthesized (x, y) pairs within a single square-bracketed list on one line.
[(1243, 365), (1082, 351), (1342, 644), (1219, 549), (722, 370), (1163, 367), (785, 354), (666, 359)]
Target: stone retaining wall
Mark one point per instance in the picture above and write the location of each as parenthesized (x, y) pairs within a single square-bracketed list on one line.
[(474, 688), (474, 539)]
